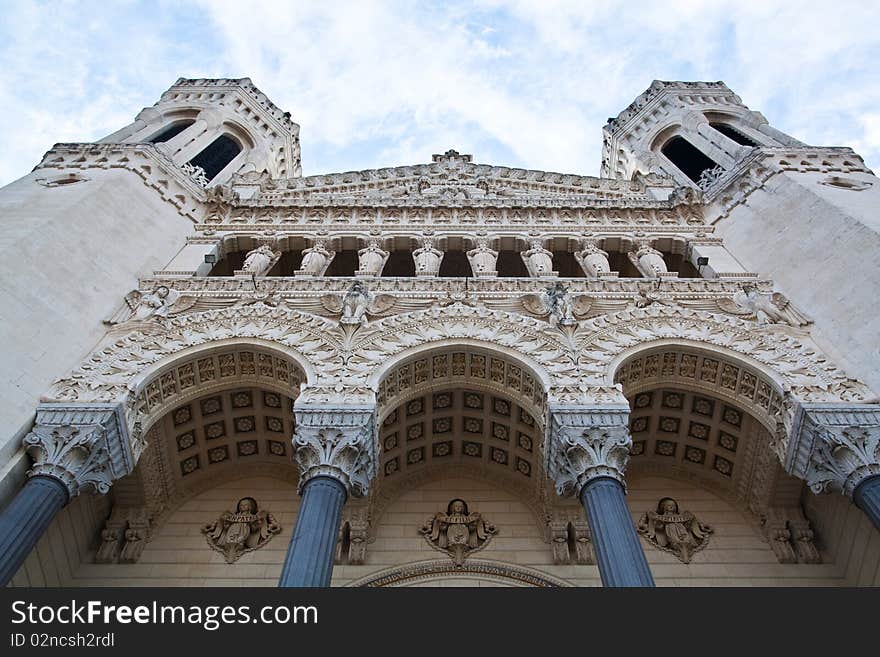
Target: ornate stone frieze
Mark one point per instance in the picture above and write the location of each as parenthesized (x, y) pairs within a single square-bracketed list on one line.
[(834, 447), (493, 571), (339, 442), (458, 532), (241, 531), (671, 530), (586, 443), (85, 447)]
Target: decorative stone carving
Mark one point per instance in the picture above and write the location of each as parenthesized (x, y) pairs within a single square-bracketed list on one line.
[(538, 260), (427, 259), (648, 260), (554, 301), (765, 308), (154, 305), (571, 542), (843, 458), (371, 260), (791, 536), (585, 444), (315, 260), (108, 551), (219, 198), (593, 260), (339, 443), (672, 531), (196, 174), (457, 532), (354, 532), (241, 531), (483, 260), (355, 304), (259, 261), (75, 455)]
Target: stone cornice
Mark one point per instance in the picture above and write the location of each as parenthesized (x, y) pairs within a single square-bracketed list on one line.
[(153, 167), (752, 172)]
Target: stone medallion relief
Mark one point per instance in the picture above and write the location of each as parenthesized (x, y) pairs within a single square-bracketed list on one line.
[(672, 531), (244, 530), (458, 532)]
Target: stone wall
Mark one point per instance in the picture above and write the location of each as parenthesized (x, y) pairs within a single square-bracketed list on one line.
[(68, 256), (737, 554)]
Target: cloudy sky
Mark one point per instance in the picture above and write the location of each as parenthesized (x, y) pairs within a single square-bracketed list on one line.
[(522, 83)]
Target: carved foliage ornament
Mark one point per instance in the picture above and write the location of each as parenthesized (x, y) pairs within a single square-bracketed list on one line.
[(244, 530), (584, 454), (672, 531), (457, 532), (843, 458), (339, 445), (75, 455)]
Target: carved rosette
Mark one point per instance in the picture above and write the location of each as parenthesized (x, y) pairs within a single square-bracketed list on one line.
[(585, 445), (338, 443), (75, 455), (843, 458)]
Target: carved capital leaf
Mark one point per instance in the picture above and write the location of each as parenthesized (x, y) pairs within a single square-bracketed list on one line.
[(337, 443), (843, 457), (75, 455)]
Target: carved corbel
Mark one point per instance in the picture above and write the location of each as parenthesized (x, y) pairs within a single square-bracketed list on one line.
[(583, 444), (84, 447), (354, 534), (791, 536), (571, 541), (340, 442)]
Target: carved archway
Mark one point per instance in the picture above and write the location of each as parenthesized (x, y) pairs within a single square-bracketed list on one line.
[(425, 572)]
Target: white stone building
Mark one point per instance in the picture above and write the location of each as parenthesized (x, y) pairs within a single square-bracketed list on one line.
[(473, 361)]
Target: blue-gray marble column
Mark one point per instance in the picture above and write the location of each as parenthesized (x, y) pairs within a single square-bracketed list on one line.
[(867, 498), (309, 561), (24, 521), (619, 553)]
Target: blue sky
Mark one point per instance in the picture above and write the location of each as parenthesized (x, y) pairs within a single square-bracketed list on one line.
[(386, 83)]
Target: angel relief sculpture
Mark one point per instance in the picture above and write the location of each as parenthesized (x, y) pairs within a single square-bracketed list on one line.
[(764, 308), (556, 302), (457, 532), (145, 306), (247, 529), (679, 533)]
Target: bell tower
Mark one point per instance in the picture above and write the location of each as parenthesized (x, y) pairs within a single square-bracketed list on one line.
[(222, 126), (690, 131)]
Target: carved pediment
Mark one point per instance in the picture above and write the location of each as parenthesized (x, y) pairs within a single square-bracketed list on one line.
[(451, 176)]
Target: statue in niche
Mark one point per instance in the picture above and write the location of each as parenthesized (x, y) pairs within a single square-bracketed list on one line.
[(593, 259), (259, 261), (457, 532), (648, 260), (315, 260), (247, 529), (540, 259), (482, 258), (671, 531), (371, 259), (765, 308), (427, 259)]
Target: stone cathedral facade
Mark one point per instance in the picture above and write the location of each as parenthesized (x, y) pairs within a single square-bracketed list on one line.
[(218, 371)]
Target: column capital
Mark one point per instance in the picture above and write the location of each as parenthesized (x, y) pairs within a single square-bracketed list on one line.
[(338, 442), (834, 447), (586, 443), (85, 447)]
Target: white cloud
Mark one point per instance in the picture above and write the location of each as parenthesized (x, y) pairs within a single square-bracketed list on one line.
[(378, 84)]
